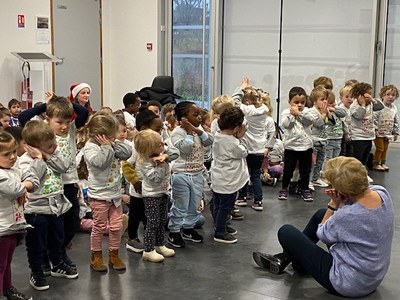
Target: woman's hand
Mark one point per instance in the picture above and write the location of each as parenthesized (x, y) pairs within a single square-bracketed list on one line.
[(337, 198)]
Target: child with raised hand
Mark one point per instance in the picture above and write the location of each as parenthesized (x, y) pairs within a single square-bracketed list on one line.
[(14, 185), (14, 105), (228, 170), (187, 178), (362, 120), (387, 126), (46, 206), (298, 143), (155, 171), (59, 115), (102, 154)]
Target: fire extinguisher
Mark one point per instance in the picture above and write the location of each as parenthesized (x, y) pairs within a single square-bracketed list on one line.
[(26, 93)]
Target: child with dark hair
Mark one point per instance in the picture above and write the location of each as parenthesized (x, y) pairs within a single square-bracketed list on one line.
[(154, 106), (16, 132), (187, 178), (131, 108), (228, 170), (14, 106), (5, 117)]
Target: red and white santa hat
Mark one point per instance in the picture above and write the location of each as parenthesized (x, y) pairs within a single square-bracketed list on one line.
[(76, 88)]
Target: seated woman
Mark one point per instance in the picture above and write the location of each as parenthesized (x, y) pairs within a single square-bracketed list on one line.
[(357, 226)]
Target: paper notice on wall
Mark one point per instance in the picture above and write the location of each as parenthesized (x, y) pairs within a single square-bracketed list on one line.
[(42, 30)]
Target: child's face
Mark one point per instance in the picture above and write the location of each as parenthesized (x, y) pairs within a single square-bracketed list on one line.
[(134, 108), (389, 97), (156, 125), (154, 109), (299, 101), (193, 116), (5, 121), (346, 99), (8, 157), (321, 102), (60, 126), (49, 146), (159, 147), (122, 133), (15, 109), (207, 121), (83, 96)]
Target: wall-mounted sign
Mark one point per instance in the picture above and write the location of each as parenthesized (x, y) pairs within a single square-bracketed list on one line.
[(21, 21)]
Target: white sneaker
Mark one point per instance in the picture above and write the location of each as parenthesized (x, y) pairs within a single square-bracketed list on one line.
[(311, 186), (152, 256), (165, 251), (370, 180), (319, 182)]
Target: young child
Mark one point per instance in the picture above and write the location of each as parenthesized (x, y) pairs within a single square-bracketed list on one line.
[(46, 206), (298, 143), (102, 154), (387, 126), (334, 128), (132, 104), (320, 115), (16, 132), (59, 113), (5, 117), (325, 81), (218, 105), (345, 101), (255, 112), (228, 170), (80, 94), (14, 107), (187, 178), (272, 167), (13, 187), (155, 184), (154, 106), (362, 121)]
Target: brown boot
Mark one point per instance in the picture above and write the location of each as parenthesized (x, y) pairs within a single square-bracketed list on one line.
[(115, 261), (97, 263)]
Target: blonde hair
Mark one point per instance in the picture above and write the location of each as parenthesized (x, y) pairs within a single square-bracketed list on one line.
[(266, 100), (7, 141), (145, 143), (351, 82), (36, 132), (347, 175), (102, 124), (387, 88), (253, 95), (344, 90), (326, 82), (219, 104), (59, 107), (317, 92)]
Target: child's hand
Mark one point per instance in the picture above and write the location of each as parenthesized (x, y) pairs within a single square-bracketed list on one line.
[(187, 126), (35, 153), (126, 198), (266, 151), (138, 187), (202, 205), (245, 82), (161, 158), (294, 110), (48, 95), (102, 140), (21, 200), (241, 131)]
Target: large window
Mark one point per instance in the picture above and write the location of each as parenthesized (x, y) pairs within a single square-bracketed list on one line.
[(190, 49), (392, 57)]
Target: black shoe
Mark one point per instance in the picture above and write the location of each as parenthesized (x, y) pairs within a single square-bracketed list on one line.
[(69, 262), (13, 294), (64, 271), (276, 264), (231, 230), (191, 235), (175, 239), (39, 282), (227, 238)]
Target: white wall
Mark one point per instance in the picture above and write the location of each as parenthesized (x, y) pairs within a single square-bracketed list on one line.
[(14, 39), (127, 27), (128, 65)]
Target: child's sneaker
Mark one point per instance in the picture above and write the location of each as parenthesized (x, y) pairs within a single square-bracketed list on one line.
[(320, 183), (307, 196), (231, 230), (191, 235), (152, 256), (385, 167), (241, 202), (236, 215), (257, 205), (64, 271), (134, 245), (13, 294), (283, 194), (165, 251), (39, 282), (227, 238), (272, 182), (69, 262), (175, 239), (378, 168), (311, 186)]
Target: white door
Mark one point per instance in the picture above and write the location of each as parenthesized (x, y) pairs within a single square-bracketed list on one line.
[(76, 36)]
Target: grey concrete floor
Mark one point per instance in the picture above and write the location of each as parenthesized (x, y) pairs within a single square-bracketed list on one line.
[(211, 270)]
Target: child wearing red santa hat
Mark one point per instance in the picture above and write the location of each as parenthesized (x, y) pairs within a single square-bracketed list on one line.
[(80, 93)]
